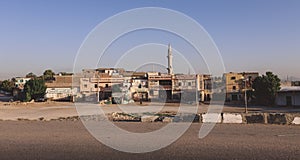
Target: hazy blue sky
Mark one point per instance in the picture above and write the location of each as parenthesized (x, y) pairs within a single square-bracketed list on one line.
[(251, 35)]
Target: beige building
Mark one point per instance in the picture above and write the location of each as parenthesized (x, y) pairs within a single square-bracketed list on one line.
[(235, 84), (99, 84), (184, 87), (160, 85), (204, 87), (61, 88), (139, 88), (288, 96)]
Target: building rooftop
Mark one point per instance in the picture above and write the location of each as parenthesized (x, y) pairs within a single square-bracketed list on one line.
[(290, 89)]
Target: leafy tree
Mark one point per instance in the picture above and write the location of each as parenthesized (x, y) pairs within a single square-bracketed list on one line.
[(7, 85), (48, 75), (30, 75), (265, 88), (34, 89), (66, 74)]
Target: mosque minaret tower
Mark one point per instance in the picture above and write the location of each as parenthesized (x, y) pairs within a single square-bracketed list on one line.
[(170, 58)]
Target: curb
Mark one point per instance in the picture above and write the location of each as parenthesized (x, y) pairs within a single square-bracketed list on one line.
[(226, 118)]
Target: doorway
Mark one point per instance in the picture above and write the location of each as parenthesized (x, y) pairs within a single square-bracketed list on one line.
[(289, 100)]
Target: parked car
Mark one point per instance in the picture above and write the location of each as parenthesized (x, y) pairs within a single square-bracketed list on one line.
[(40, 100)]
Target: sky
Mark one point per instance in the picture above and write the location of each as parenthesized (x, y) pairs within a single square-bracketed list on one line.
[(251, 35)]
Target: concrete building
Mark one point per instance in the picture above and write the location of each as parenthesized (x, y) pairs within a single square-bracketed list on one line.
[(139, 88), (60, 89), (235, 84), (295, 83), (20, 82), (204, 87), (99, 84), (184, 87), (159, 85), (288, 96)]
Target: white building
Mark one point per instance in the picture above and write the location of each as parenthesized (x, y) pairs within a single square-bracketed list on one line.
[(58, 93), (61, 88), (288, 96), (21, 81)]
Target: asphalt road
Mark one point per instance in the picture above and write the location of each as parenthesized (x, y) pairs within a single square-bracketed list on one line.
[(70, 140)]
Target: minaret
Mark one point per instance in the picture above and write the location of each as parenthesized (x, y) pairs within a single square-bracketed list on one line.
[(170, 66)]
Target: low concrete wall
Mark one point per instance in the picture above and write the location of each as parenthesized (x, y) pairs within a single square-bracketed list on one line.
[(232, 118), (149, 118), (254, 118), (262, 118), (185, 117), (211, 118), (296, 120), (277, 118)]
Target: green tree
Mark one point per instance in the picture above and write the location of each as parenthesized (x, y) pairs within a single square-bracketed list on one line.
[(34, 89), (30, 75), (48, 75), (7, 85), (265, 88), (66, 74)]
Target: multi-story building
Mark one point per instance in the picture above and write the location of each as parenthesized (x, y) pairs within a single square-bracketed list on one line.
[(237, 83), (99, 84), (184, 87), (204, 87), (139, 88), (160, 85), (61, 88)]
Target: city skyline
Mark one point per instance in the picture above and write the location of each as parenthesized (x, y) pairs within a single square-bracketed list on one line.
[(251, 36)]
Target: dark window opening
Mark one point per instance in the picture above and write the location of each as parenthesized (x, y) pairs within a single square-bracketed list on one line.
[(234, 97)]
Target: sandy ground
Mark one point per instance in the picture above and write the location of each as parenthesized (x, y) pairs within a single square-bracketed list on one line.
[(70, 140), (54, 110)]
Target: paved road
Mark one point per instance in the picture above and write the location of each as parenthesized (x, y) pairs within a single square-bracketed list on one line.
[(70, 140)]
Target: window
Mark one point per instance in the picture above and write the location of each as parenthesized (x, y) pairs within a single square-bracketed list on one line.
[(179, 84), (85, 86), (106, 85), (232, 78), (234, 97), (151, 93), (165, 82), (234, 88), (189, 84), (96, 85)]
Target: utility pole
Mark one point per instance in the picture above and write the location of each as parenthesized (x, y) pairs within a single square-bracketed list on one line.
[(246, 100), (97, 87)]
